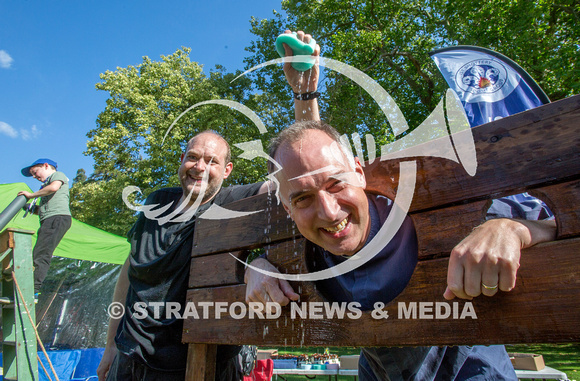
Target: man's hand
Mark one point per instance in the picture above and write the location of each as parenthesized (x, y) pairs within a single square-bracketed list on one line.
[(488, 259), (263, 288), (302, 82), (106, 361)]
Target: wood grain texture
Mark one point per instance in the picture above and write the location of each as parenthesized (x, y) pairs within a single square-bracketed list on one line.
[(542, 308), (270, 224), (217, 270), (563, 200), (536, 151), (200, 362), (527, 151)]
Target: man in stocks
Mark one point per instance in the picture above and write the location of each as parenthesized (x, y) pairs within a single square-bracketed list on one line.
[(324, 194)]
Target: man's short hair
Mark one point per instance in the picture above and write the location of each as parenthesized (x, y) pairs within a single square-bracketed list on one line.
[(228, 149), (295, 132)]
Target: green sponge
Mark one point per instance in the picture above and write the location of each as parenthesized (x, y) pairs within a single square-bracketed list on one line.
[(298, 47)]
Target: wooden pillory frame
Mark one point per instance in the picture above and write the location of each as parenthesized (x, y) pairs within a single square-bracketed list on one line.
[(536, 151)]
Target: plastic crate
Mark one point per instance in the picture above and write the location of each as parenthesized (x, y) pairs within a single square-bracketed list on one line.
[(285, 363)]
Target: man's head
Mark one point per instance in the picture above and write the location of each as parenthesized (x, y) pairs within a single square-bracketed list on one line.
[(205, 150), (41, 169), (322, 187)]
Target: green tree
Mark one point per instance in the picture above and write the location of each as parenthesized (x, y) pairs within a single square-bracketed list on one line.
[(80, 177), (133, 143), (390, 41)]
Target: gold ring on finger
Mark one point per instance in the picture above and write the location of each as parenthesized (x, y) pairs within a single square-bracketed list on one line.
[(490, 288)]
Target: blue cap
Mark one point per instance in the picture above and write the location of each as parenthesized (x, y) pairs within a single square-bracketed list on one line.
[(26, 170)]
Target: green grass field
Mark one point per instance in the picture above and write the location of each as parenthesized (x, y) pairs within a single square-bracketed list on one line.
[(564, 357)]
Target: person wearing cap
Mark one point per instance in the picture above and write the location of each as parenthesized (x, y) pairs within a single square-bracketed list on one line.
[(54, 213)]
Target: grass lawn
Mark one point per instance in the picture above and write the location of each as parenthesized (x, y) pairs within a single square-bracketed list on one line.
[(564, 357)]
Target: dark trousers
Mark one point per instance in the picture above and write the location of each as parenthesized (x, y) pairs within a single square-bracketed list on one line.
[(125, 368), (51, 231)]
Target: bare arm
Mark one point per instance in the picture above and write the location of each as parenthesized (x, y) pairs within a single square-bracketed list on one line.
[(45, 191), (119, 296), (488, 259), (303, 82), (262, 288)]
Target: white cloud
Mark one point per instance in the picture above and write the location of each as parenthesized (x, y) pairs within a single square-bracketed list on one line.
[(5, 60), (8, 130), (33, 133), (26, 134)]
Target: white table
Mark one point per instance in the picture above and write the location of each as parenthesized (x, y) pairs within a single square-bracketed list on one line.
[(545, 374), (308, 373)]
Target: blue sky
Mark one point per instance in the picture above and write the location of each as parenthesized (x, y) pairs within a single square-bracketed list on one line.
[(51, 55)]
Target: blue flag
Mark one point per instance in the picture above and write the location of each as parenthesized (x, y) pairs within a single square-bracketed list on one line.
[(490, 85)]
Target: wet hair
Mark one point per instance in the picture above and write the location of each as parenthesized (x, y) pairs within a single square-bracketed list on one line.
[(228, 149), (295, 132)]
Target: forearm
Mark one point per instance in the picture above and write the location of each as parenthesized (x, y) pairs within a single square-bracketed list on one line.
[(47, 190), (534, 232), (306, 110), (119, 296)]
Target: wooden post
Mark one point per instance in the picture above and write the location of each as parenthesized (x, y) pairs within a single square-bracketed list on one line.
[(201, 362), (19, 345)]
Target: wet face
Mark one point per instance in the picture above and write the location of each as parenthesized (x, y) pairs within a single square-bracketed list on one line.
[(41, 172), (205, 151), (323, 193)]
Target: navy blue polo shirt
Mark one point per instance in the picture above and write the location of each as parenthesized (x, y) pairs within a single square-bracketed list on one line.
[(387, 274)]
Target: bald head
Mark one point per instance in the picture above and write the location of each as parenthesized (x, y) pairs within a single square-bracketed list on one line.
[(228, 156)]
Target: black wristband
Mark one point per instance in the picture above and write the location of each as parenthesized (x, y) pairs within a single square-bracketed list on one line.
[(306, 96)]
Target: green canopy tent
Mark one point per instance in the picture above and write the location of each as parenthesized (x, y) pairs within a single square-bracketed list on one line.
[(81, 241)]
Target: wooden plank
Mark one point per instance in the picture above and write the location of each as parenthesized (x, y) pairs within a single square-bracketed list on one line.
[(543, 307), (217, 270), (269, 225), (222, 269), (514, 154), (525, 151), (440, 230), (201, 360), (6, 243), (6, 240), (563, 201)]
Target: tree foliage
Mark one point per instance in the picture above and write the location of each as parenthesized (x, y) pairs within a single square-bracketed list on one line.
[(390, 41), (136, 141)]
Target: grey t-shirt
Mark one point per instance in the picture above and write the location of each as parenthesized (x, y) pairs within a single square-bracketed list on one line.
[(56, 204)]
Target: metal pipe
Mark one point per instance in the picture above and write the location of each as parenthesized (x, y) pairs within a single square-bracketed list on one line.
[(11, 210)]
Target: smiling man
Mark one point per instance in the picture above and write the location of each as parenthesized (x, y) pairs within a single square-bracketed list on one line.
[(156, 273), (306, 189), (206, 150), (322, 187)]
